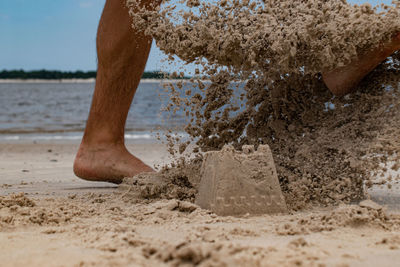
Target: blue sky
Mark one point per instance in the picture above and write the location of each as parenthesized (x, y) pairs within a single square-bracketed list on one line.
[(58, 34)]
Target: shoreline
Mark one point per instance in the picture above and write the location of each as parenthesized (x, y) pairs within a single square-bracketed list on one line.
[(91, 80), (131, 137)]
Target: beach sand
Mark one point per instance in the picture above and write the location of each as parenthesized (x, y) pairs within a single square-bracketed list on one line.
[(52, 218)]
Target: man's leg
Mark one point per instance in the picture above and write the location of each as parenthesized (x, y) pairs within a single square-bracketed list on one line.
[(122, 55), (343, 80)]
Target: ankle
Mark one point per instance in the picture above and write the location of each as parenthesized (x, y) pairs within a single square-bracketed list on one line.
[(99, 147), (102, 140)]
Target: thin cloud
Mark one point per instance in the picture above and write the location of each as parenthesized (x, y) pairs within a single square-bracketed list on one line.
[(86, 4)]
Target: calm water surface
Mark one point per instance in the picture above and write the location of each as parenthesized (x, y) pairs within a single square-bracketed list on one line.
[(59, 111)]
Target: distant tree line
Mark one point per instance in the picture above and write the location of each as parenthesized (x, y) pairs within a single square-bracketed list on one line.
[(57, 75)]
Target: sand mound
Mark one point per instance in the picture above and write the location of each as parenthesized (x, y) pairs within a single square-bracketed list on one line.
[(180, 183), (367, 213)]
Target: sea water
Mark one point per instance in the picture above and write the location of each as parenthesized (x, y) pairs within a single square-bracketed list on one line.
[(35, 111)]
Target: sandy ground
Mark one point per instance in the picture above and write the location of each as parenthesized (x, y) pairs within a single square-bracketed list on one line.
[(64, 221)]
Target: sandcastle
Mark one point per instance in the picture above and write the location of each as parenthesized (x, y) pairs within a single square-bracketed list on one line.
[(239, 183), (229, 183)]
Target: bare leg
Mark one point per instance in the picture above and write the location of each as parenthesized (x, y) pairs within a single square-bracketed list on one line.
[(343, 80), (122, 55)]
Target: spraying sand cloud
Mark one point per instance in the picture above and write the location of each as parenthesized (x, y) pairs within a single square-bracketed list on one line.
[(276, 50)]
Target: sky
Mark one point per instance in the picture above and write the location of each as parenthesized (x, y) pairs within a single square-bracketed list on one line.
[(59, 35)]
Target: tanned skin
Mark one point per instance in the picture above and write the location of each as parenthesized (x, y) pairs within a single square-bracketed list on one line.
[(343, 80), (122, 55)]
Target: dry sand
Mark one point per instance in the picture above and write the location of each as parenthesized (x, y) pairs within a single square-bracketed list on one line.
[(63, 221)]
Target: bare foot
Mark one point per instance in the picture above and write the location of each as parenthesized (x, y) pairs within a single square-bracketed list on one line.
[(107, 164), (343, 80)]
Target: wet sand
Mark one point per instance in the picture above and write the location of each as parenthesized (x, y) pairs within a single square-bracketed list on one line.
[(64, 221)]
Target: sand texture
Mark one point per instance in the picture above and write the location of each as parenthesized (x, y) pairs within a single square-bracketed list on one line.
[(63, 221), (235, 183)]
